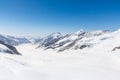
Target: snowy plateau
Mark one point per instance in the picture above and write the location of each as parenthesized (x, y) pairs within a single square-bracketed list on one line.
[(82, 55)]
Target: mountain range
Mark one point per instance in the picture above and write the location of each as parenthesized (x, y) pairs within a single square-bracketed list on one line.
[(83, 55), (58, 42)]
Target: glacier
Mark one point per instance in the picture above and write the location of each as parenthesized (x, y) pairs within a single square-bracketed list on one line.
[(83, 56)]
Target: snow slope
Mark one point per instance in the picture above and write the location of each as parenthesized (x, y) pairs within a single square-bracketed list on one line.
[(12, 40), (6, 48), (39, 64), (97, 62)]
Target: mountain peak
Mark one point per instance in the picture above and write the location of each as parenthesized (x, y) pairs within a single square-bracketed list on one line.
[(55, 35), (118, 31), (80, 31)]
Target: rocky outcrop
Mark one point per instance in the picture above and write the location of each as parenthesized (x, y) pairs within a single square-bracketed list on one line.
[(116, 48), (10, 49)]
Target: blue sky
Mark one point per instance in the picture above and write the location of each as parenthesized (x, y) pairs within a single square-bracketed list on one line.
[(41, 17)]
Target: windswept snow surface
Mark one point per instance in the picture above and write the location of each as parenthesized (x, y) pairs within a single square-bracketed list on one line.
[(38, 64)]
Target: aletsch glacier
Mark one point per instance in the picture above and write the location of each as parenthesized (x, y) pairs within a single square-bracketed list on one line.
[(77, 56)]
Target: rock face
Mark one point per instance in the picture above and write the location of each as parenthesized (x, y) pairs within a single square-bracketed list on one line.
[(116, 48), (50, 40), (6, 48)]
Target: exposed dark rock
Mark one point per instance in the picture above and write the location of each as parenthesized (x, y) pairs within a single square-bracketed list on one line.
[(13, 49), (84, 46), (116, 48)]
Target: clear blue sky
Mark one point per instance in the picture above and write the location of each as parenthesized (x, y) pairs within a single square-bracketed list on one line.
[(66, 16)]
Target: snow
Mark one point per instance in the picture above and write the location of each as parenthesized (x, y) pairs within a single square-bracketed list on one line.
[(39, 64), (54, 35), (95, 63), (79, 32), (3, 48)]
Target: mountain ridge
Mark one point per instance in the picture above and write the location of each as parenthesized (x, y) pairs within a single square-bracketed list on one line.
[(59, 42)]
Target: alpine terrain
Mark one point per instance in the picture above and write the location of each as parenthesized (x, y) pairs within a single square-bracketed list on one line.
[(83, 55)]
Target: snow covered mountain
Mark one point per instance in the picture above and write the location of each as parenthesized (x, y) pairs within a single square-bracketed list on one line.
[(77, 40), (33, 39), (84, 55), (6, 48), (7, 43), (51, 39), (58, 42), (11, 40)]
